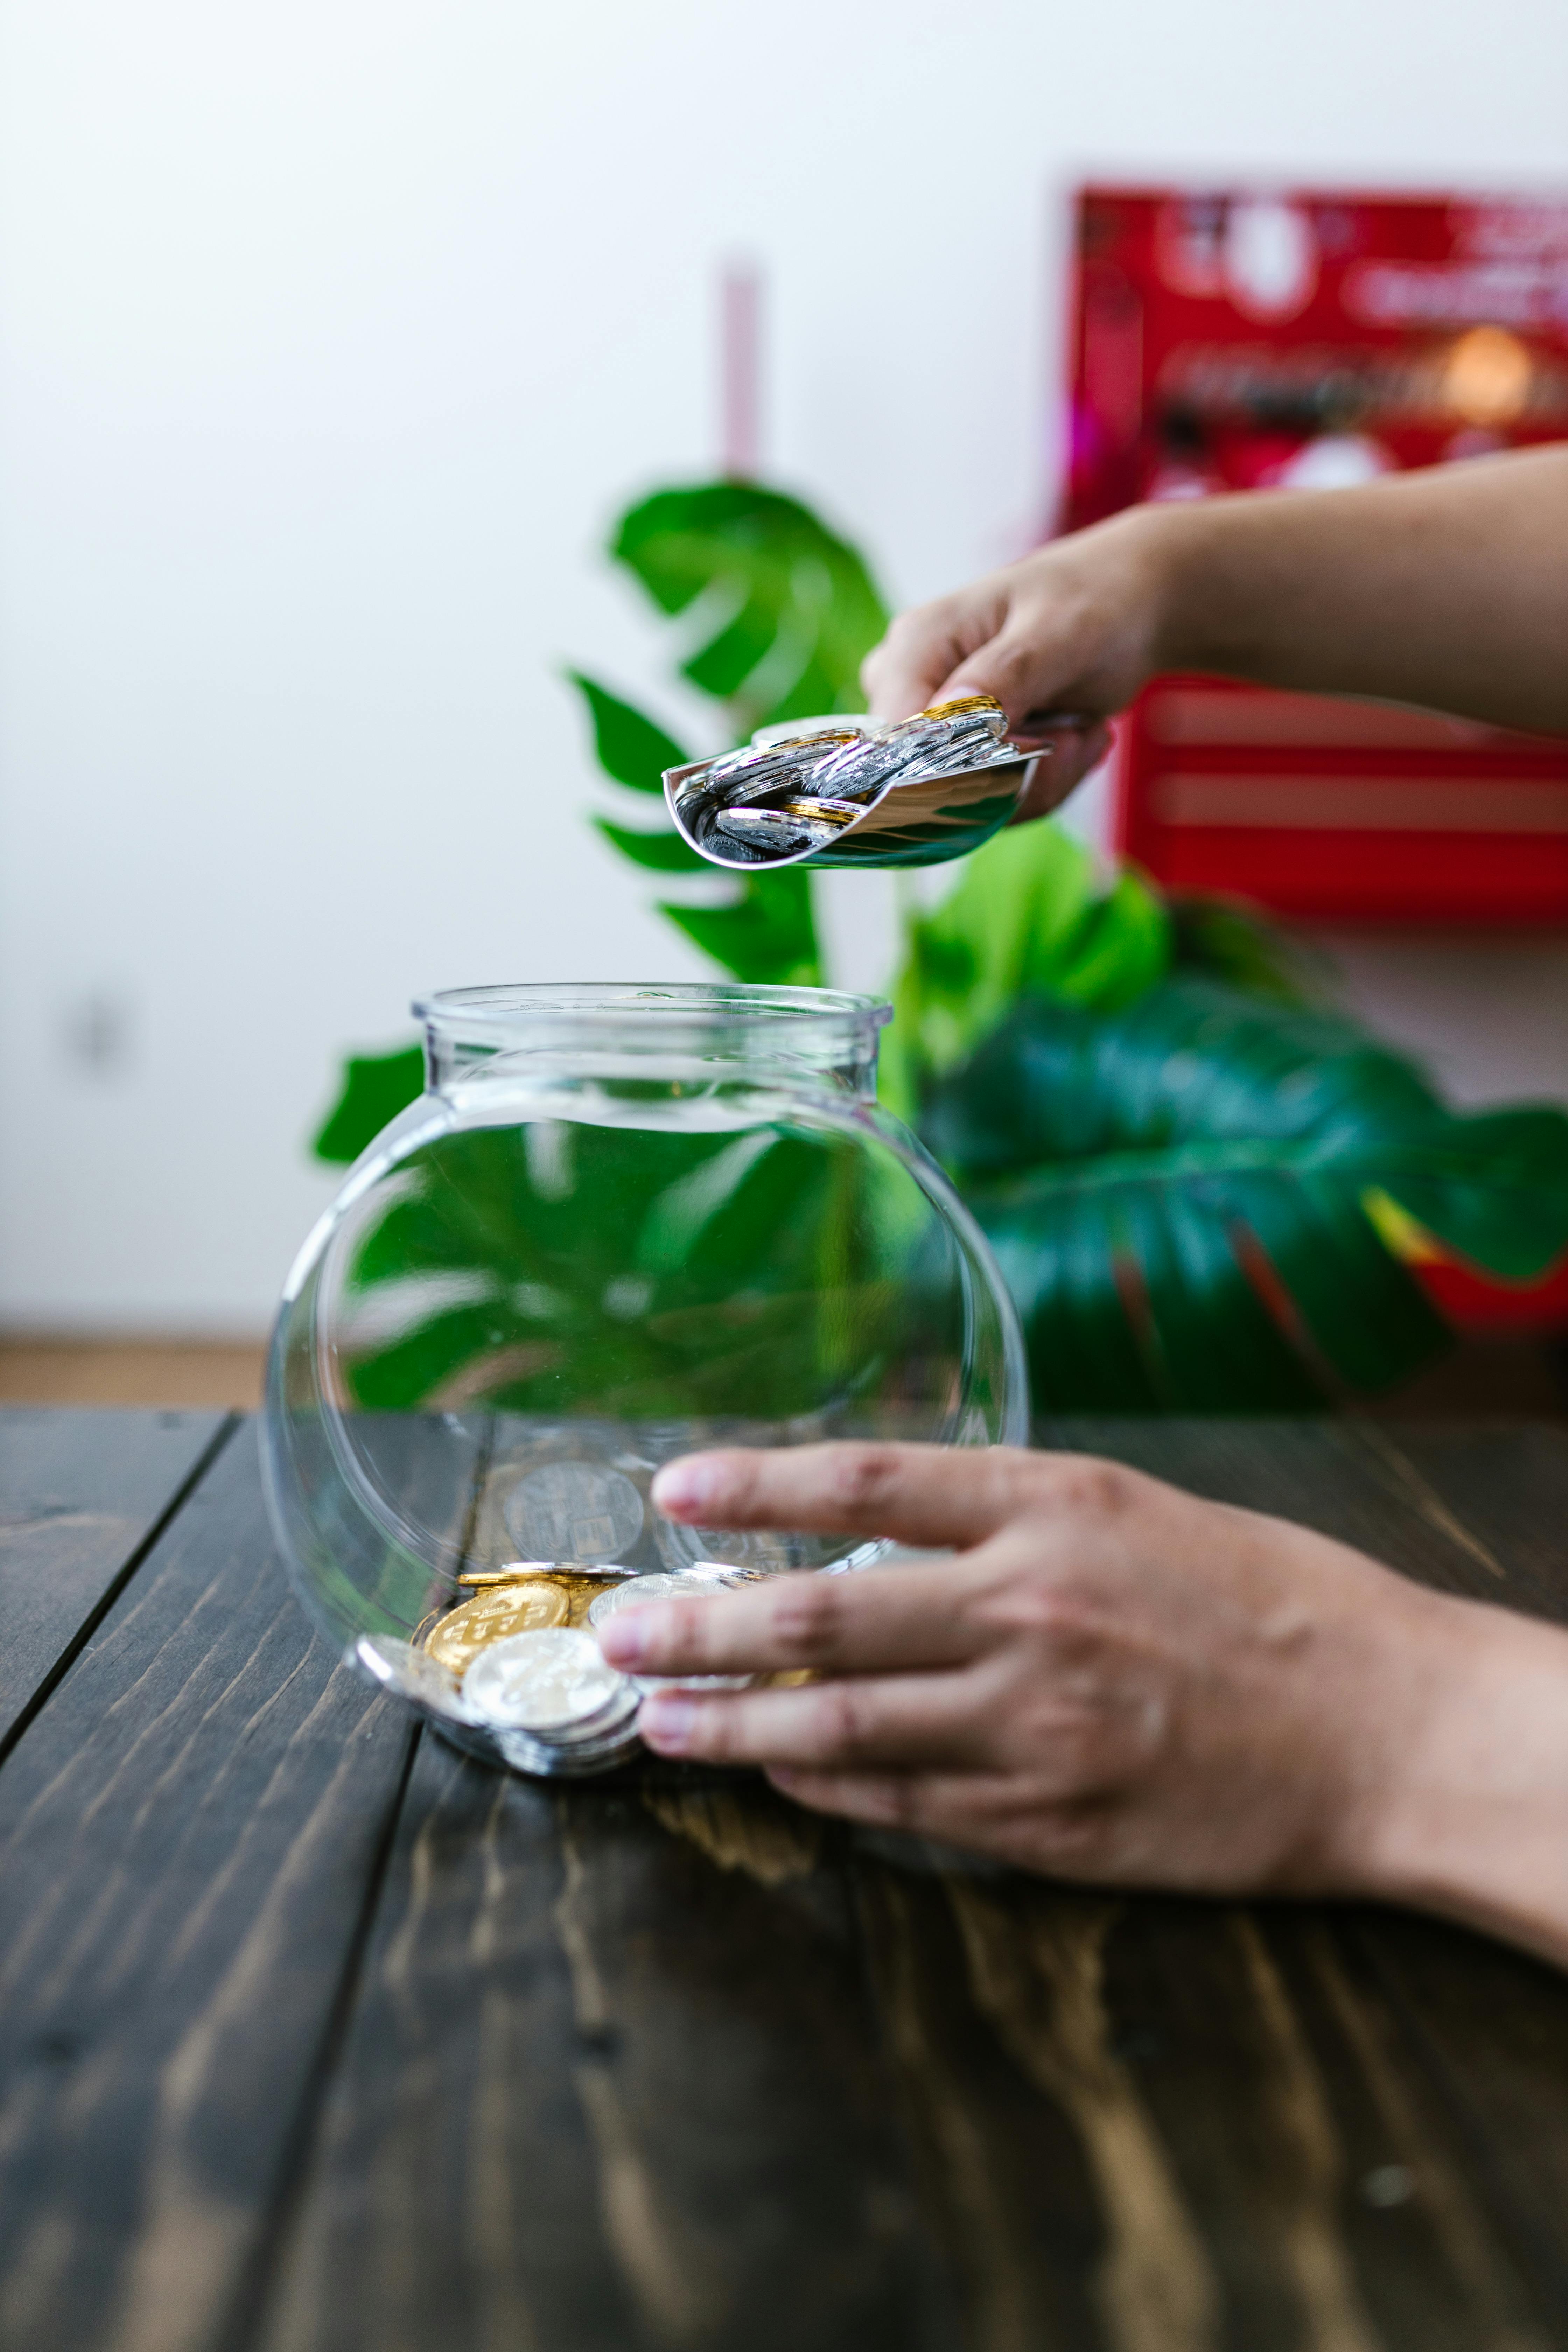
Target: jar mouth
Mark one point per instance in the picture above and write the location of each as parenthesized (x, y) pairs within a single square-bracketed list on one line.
[(542, 1009), (816, 1032)]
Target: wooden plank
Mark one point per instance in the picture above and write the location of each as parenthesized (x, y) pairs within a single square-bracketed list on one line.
[(1360, 1482), (1492, 2024), (1475, 2036), (1508, 1488), (1491, 2028), (1144, 2127), (612, 2085), (187, 1834), (81, 1493)]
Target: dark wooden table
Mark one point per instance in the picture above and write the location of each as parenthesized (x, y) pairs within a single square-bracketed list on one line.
[(317, 2035)]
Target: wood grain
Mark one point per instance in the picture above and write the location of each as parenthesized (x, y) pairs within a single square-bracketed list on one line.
[(607, 2089), (1469, 2037), (302, 2056), (1363, 1482), (187, 1835), (80, 1494)]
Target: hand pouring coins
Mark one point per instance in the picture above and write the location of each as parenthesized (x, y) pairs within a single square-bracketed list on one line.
[(853, 792)]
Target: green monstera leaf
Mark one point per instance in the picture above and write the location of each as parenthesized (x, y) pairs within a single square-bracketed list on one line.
[(1027, 915), (791, 609), (1179, 1194), (559, 1267), (1238, 943), (767, 934), (766, 930), (374, 1087), (798, 617), (791, 613), (631, 748)]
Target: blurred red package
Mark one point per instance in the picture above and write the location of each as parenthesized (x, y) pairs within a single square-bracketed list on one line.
[(1231, 340)]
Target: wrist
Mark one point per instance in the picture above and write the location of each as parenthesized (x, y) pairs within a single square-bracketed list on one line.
[(1183, 567), (1471, 1817)]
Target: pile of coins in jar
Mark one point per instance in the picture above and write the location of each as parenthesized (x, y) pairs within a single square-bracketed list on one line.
[(520, 1659), (793, 789)]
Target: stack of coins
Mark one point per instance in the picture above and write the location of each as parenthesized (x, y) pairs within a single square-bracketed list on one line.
[(520, 1661), (780, 796), (552, 1701)]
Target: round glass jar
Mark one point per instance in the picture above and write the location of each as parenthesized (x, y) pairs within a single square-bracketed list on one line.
[(619, 1225)]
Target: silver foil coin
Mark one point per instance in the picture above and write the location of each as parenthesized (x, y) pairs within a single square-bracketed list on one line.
[(843, 725), (413, 1674), (753, 771), (556, 1680), (771, 829)]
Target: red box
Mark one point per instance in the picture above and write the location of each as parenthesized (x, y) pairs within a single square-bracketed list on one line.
[(1226, 339)]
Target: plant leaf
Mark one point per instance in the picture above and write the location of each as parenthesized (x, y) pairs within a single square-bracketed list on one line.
[(1026, 915), (558, 1266), (629, 748), (796, 610), (1176, 1193), (1511, 1224), (1119, 948), (1228, 941), (375, 1087), (662, 851), (769, 935)]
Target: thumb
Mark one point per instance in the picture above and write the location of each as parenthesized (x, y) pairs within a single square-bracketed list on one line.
[(1019, 674)]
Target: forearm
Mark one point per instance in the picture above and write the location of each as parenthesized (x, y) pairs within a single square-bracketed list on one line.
[(1474, 1819), (1447, 588)]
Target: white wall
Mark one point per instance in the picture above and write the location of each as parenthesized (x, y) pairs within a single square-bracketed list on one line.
[(333, 333)]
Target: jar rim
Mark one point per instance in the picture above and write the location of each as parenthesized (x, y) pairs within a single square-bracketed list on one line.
[(562, 1006)]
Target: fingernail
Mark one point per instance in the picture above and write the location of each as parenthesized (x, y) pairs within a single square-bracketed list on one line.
[(667, 1720), (684, 1488), (625, 1639)]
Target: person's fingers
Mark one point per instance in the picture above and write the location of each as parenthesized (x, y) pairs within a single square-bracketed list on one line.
[(1022, 666), (924, 1495), (1073, 754), (902, 674), (876, 1619), (834, 1725), (898, 679)]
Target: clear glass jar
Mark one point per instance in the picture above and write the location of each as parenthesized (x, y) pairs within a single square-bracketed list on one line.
[(620, 1223)]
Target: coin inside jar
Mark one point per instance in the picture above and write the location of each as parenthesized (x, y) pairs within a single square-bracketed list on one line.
[(501, 1610), (593, 1571), (575, 1510), (544, 1681), (413, 1674)]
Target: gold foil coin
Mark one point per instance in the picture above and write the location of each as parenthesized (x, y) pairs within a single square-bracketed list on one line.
[(504, 1610), (829, 812), (964, 703)]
